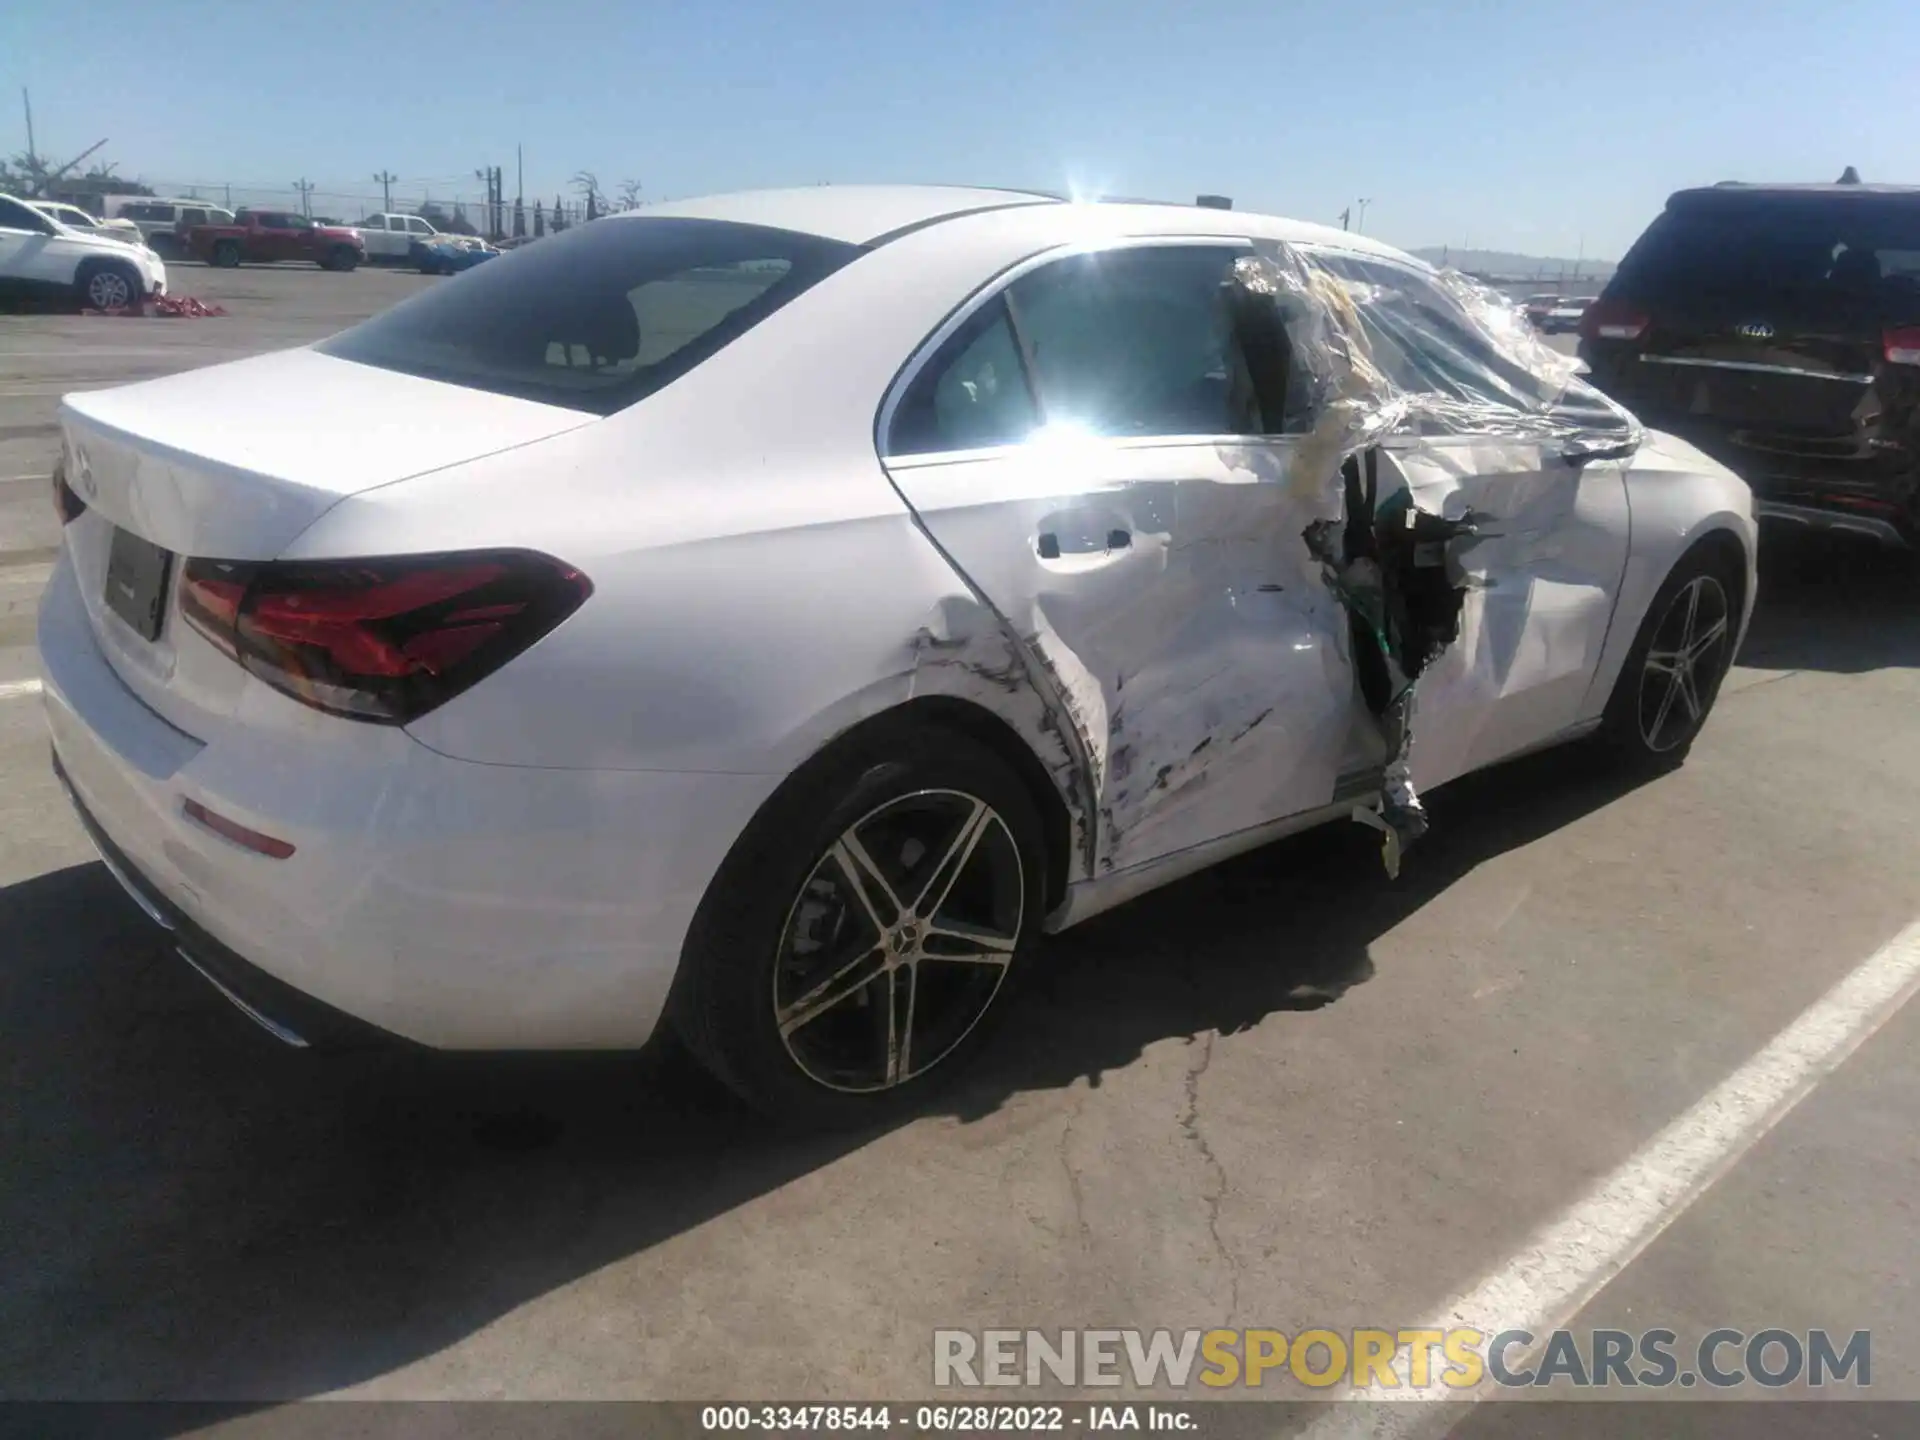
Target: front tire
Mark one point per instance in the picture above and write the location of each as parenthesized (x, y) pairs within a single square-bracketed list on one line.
[(864, 929), (1679, 659), (342, 258), (110, 285)]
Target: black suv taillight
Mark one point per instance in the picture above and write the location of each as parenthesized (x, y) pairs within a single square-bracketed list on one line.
[(383, 640), (1613, 320)]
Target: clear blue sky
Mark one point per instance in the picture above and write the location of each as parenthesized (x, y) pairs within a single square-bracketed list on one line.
[(1526, 126)]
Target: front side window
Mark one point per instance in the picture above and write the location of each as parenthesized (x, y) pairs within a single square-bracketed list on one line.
[(599, 316), (1426, 344)]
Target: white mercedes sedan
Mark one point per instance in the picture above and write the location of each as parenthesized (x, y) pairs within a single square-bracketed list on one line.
[(768, 615)]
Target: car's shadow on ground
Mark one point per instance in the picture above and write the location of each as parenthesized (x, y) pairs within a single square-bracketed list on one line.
[(1833, 603), (186, 1207)]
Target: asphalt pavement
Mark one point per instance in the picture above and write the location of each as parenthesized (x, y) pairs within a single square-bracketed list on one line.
[(1286, 1093)]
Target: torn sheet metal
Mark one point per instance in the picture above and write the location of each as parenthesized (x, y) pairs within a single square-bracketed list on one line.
[(1369, 362)]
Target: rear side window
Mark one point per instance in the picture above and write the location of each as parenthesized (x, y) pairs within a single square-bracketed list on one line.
[(1759, 250), (599, 316), (1138, 342)]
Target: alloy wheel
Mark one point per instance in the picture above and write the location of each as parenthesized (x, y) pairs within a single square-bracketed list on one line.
[(899, 941), (1685, 664), (108, 290)]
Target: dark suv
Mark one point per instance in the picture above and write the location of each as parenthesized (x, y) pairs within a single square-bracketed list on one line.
[(1777, 327)]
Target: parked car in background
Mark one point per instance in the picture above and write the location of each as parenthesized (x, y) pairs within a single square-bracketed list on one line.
[(42, 259), (390, 237), (264, 237), (718, 616), (1538, 306), (1564, 317), (1777, 327), (448, 254), (74, 218), (164, 223)]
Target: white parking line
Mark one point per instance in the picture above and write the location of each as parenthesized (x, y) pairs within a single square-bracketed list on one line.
[(1563, 1266), (18, 689)]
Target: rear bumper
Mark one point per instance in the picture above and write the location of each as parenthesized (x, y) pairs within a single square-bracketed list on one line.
[(291, 1016), (457, 905)]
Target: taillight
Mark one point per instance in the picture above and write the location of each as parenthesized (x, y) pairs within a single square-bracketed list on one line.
[(1901, 345), (67, 505), (1613, 320), (384, 640)]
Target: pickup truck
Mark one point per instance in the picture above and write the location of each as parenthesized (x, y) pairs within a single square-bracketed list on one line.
[(390, 238), (264, 236)]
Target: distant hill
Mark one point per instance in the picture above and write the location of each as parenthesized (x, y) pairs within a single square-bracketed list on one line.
[(1506, 263)]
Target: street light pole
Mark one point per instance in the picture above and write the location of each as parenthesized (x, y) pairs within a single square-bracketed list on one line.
[(385, 181), (1363, 215)]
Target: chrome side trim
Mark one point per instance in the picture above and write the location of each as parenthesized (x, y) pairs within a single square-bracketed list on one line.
[(272, 1027), (1755, 367), (1816, 519), (992, 290)]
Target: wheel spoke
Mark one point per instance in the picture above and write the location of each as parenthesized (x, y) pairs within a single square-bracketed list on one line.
[(846, 982), (974, 946), (1688, 695), (1664, 662), (1666, 706), (940, 883), (1693, 609), (865, 878), (1707, 639), (900, 1022)]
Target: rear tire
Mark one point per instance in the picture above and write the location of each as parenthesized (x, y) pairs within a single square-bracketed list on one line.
[(226, 254), (828, 993), (1679, 659), (110, 285)]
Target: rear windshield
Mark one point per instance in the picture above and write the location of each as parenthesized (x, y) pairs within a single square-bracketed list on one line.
[(599, 316), (1853, 250)]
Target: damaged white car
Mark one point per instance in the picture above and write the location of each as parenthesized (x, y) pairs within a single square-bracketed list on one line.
[(768, 614)]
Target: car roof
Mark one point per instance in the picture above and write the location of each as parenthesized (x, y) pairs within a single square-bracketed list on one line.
[(1735, 194), (858, 214), (875, 214)]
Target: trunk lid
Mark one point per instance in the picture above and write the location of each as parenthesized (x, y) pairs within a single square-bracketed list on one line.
[(233, 462)]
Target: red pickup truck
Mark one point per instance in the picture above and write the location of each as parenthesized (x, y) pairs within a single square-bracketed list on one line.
[(260, 237)]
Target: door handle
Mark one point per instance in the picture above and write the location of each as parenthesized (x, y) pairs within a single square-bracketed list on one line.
[(1047, 543)]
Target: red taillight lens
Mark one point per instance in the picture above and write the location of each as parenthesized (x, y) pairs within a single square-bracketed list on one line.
[(384, 640), (1901, 345), (1613, 320), (67, 505)]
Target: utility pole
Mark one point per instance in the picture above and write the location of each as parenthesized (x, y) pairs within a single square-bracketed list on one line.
[(305, 187), (1345, 215), (1363, 215), (519, 175), (385, 181), (26, 101)]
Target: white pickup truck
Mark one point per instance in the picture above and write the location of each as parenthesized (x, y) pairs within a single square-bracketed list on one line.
[(389, 237)]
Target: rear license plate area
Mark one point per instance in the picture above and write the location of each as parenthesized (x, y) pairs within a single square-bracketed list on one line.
[(137, 576)]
